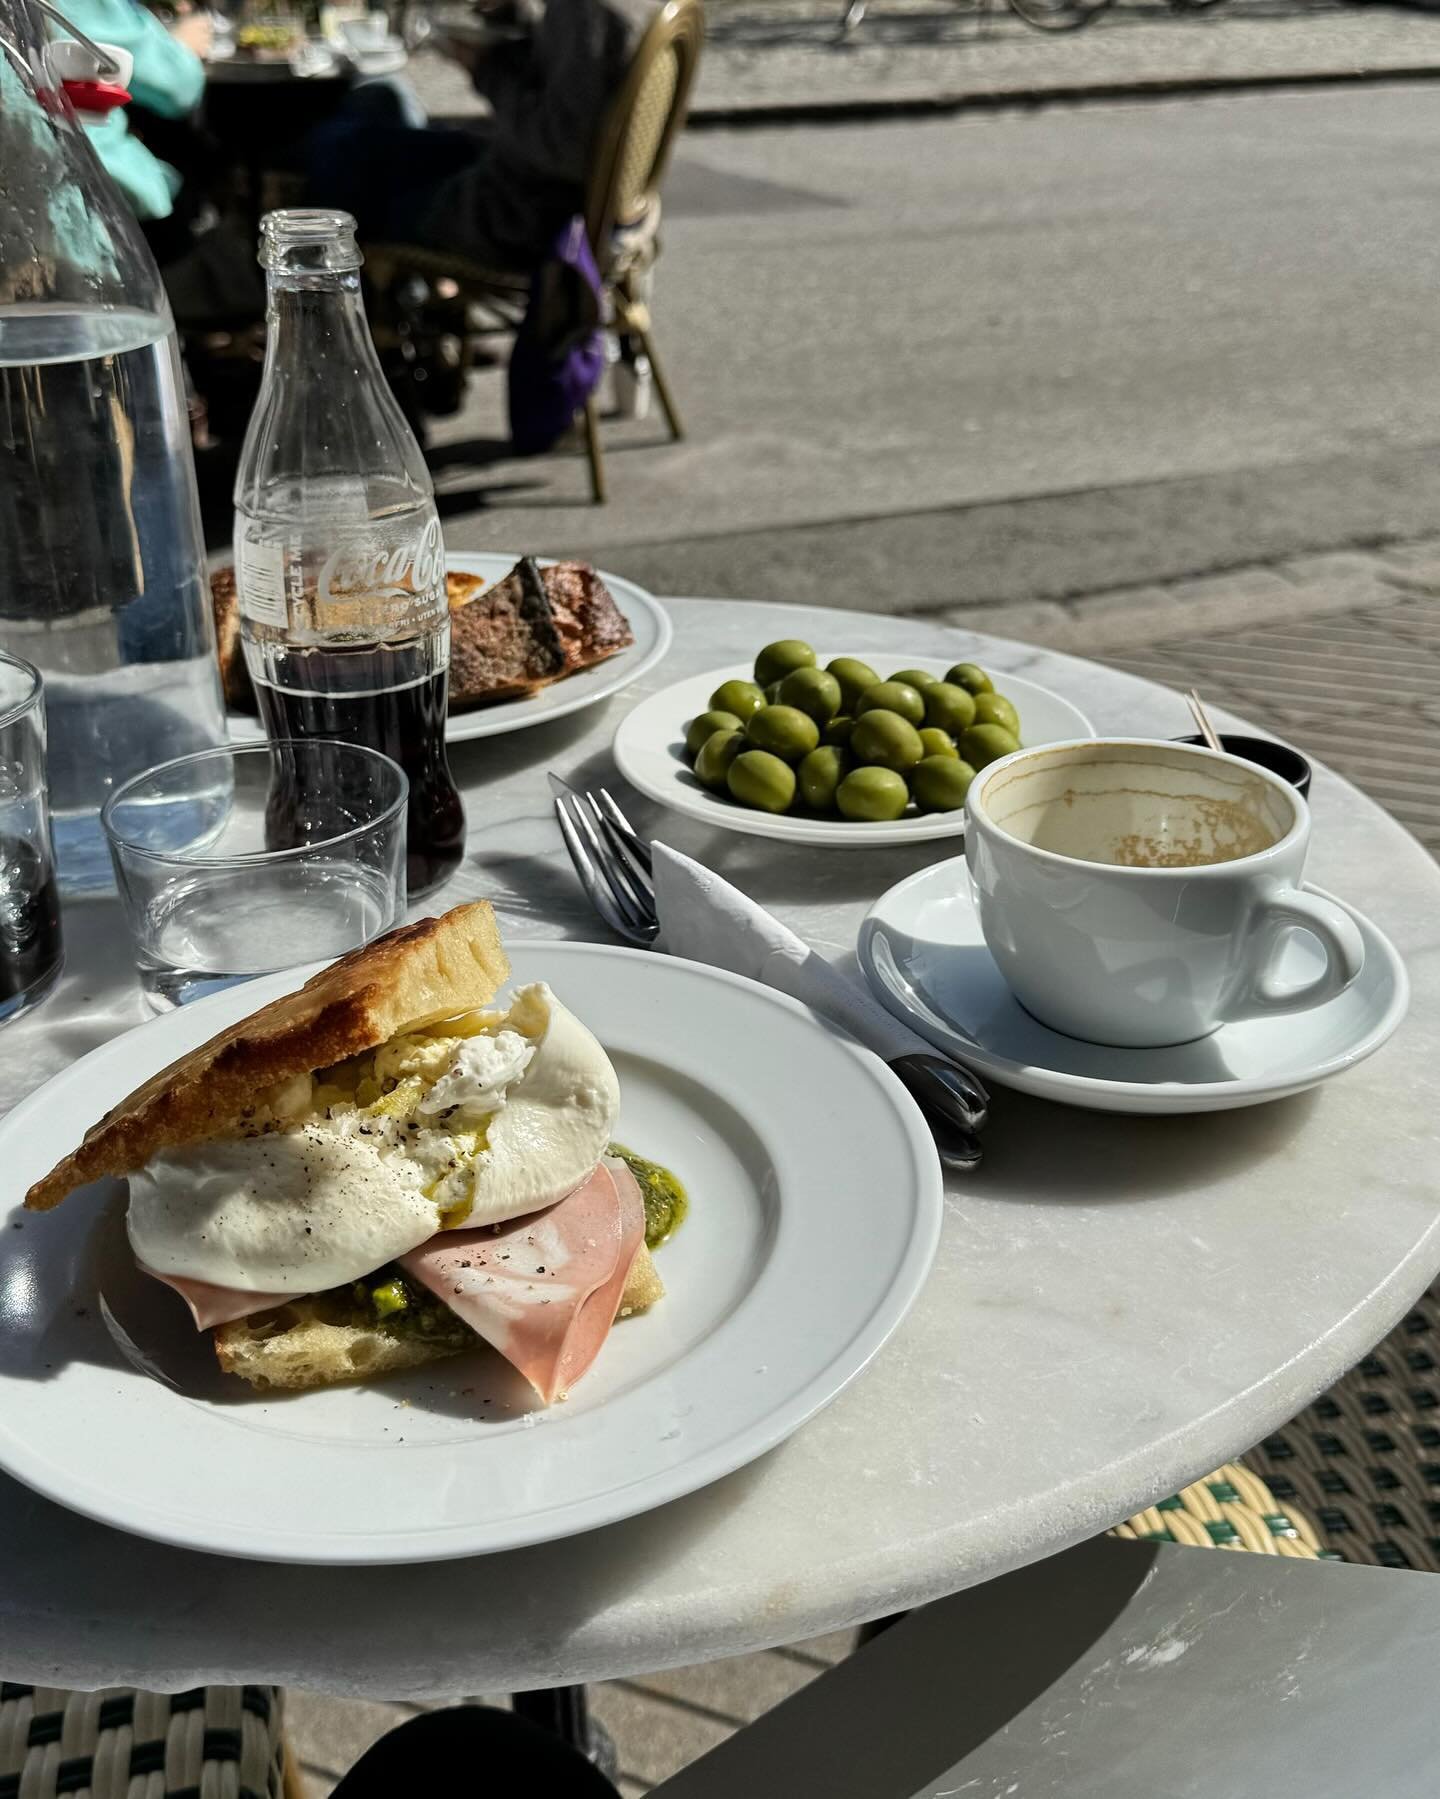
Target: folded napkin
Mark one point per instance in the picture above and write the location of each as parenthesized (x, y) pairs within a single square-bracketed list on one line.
[(705, 918)]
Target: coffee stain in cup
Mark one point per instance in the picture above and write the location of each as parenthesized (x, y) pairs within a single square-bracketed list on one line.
[(1222, 832)]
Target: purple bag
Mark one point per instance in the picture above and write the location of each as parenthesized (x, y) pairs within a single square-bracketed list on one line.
[(559, 353)]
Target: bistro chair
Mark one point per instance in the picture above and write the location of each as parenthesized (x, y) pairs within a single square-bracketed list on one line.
[(1136, 1669), (121, 1743), (621, 208)]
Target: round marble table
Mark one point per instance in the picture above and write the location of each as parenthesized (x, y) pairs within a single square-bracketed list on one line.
[(1118, 1305)]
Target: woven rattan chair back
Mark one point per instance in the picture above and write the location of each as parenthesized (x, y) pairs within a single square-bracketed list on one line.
[(640, 128), (124, 1744)]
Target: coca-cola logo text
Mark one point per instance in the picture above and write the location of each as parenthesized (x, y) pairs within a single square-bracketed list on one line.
[(417, 566)]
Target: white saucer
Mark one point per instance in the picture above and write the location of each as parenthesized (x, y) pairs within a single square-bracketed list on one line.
[(923, 954)]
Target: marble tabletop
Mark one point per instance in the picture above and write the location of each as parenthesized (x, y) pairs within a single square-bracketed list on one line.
[(1118, 1305)]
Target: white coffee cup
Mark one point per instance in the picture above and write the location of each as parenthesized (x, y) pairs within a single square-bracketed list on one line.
[(1138, 892)]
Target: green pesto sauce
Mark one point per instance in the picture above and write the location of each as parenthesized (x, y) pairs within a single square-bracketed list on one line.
[(665, 1200), (387, 1300)]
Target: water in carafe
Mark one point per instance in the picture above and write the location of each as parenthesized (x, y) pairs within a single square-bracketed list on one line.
[(100, 544), (100, 539)]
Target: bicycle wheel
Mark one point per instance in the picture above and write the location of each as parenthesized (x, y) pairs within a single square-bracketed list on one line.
[(1057, 15)]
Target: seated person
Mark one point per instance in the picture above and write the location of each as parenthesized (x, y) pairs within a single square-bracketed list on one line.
[(499, 194), (168, 80)]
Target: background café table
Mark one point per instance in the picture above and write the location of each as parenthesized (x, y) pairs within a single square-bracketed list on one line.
[(1119, 1304)]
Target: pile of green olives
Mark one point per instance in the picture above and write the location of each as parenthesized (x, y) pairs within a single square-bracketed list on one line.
[(841, 742)]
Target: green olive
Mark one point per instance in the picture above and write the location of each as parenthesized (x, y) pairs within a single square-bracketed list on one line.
[(872, 795), (812, 691), (854, 677), (772, 692), (784, 731), (740, 697), (838, 730), (821, 772), (885, 740), (712, 764), (916, 677), (893, 696), (761, 780), (972, 678), (939, 783), (983, 744), (707, 725), (995, 709), (776, 660), (938, 743), (949, 708)]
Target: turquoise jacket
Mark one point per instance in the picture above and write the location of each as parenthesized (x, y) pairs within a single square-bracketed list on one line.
[(168, 79)]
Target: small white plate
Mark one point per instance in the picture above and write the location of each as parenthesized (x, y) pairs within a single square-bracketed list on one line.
[(923, 953), (815, 1210), (650, 752), (648, 619)]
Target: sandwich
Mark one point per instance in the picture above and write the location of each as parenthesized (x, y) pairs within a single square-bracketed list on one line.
[(369, 1174)]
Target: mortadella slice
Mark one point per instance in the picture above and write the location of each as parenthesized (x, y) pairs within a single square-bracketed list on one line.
[(543, 1289), (210, 1305)]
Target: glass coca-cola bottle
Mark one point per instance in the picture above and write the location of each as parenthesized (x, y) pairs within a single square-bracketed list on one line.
[(339, 564)]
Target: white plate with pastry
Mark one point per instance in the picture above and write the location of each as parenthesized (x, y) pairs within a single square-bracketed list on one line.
[(650, 751), (557, 636), (392, 1196)]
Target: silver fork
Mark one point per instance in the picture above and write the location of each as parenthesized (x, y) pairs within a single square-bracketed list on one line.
[(614, 865), (611, 859)]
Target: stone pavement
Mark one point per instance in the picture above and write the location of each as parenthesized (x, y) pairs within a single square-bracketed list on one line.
[(1339, 654), (771, 61)]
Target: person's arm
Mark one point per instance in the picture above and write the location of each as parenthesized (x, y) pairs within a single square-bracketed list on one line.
[(169, 78)]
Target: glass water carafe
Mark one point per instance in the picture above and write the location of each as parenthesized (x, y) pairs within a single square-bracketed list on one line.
[(102, 571)]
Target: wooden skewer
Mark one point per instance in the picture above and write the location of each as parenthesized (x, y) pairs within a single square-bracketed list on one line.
[(1202, 720)]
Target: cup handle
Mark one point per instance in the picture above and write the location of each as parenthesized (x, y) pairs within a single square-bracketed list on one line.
[(1337, 934)]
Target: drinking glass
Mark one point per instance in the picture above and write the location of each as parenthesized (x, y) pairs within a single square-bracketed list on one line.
[(30, 950), (241, 861)]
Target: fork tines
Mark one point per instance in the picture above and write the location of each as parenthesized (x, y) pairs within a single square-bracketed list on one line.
[(613, 863)]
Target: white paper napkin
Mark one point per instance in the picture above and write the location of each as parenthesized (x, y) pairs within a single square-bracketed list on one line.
[(703, 917)]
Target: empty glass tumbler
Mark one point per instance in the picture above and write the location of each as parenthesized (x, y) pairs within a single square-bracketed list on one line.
[(246, 860)]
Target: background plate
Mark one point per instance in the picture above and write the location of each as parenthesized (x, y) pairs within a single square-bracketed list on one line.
[(650, 745), (815, 1212), (648, 620)]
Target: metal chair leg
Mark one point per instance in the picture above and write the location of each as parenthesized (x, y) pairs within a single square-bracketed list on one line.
[(566, 1711), (662, 386), (595, 452)]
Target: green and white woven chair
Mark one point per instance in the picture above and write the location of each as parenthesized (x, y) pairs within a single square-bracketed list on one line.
[(211, 1743)]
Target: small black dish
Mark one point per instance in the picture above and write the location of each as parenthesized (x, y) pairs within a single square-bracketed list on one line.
[(1279, 758)]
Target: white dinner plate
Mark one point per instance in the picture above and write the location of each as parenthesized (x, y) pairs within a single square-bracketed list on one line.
[(650, 752), (815, 1207), (648, 620), (924, 955)]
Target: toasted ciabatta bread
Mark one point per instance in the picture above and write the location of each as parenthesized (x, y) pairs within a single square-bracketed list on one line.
[(299, 1346), (531, 629), (460, 589), (234, 676), (417, 974)]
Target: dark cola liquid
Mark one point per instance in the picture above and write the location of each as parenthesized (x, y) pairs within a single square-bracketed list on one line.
[(29, 920), (325, 696)]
